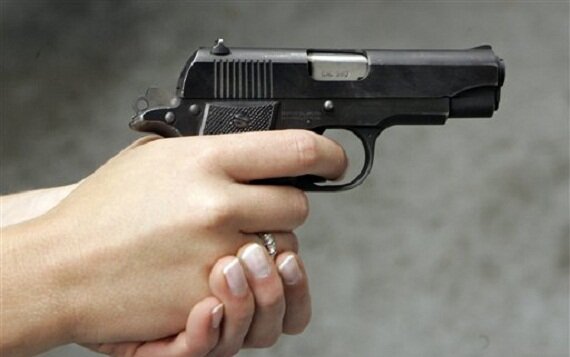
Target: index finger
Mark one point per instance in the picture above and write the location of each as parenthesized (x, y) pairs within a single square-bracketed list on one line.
[(281, 153)]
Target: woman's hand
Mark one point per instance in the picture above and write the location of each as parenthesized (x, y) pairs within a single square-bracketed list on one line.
[(221, 325), (129, 251)]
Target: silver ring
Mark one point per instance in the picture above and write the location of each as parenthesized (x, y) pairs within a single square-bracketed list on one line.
[(269, 243)]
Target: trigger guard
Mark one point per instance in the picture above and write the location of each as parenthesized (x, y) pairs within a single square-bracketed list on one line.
[(368, 138)]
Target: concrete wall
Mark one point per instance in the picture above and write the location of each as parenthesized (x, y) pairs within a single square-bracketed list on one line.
[(457, 245)]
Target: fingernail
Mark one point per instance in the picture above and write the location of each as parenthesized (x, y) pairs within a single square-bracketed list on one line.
[(235, 278), (256, 261), (217, 314), (290, 270)]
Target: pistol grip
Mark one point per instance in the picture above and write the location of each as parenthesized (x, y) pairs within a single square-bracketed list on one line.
[(238, 117)]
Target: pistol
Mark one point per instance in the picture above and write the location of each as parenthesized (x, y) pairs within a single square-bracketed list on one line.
[(231, 90)]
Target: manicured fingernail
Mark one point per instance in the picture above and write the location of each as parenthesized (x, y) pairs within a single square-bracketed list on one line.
[(235, 278), (217, 314), (256, 261), (290, 270)]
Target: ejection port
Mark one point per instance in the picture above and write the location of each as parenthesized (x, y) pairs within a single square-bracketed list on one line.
[(337, 66)]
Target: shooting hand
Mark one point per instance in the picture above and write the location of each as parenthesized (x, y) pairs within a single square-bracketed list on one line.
[(127, 254)]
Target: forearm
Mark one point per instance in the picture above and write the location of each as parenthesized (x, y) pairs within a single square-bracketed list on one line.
[(34, 310), (24, 206)]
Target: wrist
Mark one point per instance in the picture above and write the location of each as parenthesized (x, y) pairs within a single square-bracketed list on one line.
[(20, 207), (36, 314)]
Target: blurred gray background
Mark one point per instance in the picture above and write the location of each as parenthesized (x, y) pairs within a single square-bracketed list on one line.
[(458, 243)]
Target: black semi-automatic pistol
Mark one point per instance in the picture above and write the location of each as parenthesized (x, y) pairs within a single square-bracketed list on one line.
[(230, 90)]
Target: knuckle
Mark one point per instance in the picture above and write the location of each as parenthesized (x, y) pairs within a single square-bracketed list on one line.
[(208, 155), (218, 209), (307, 148), (272, 301), (301, 204)]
